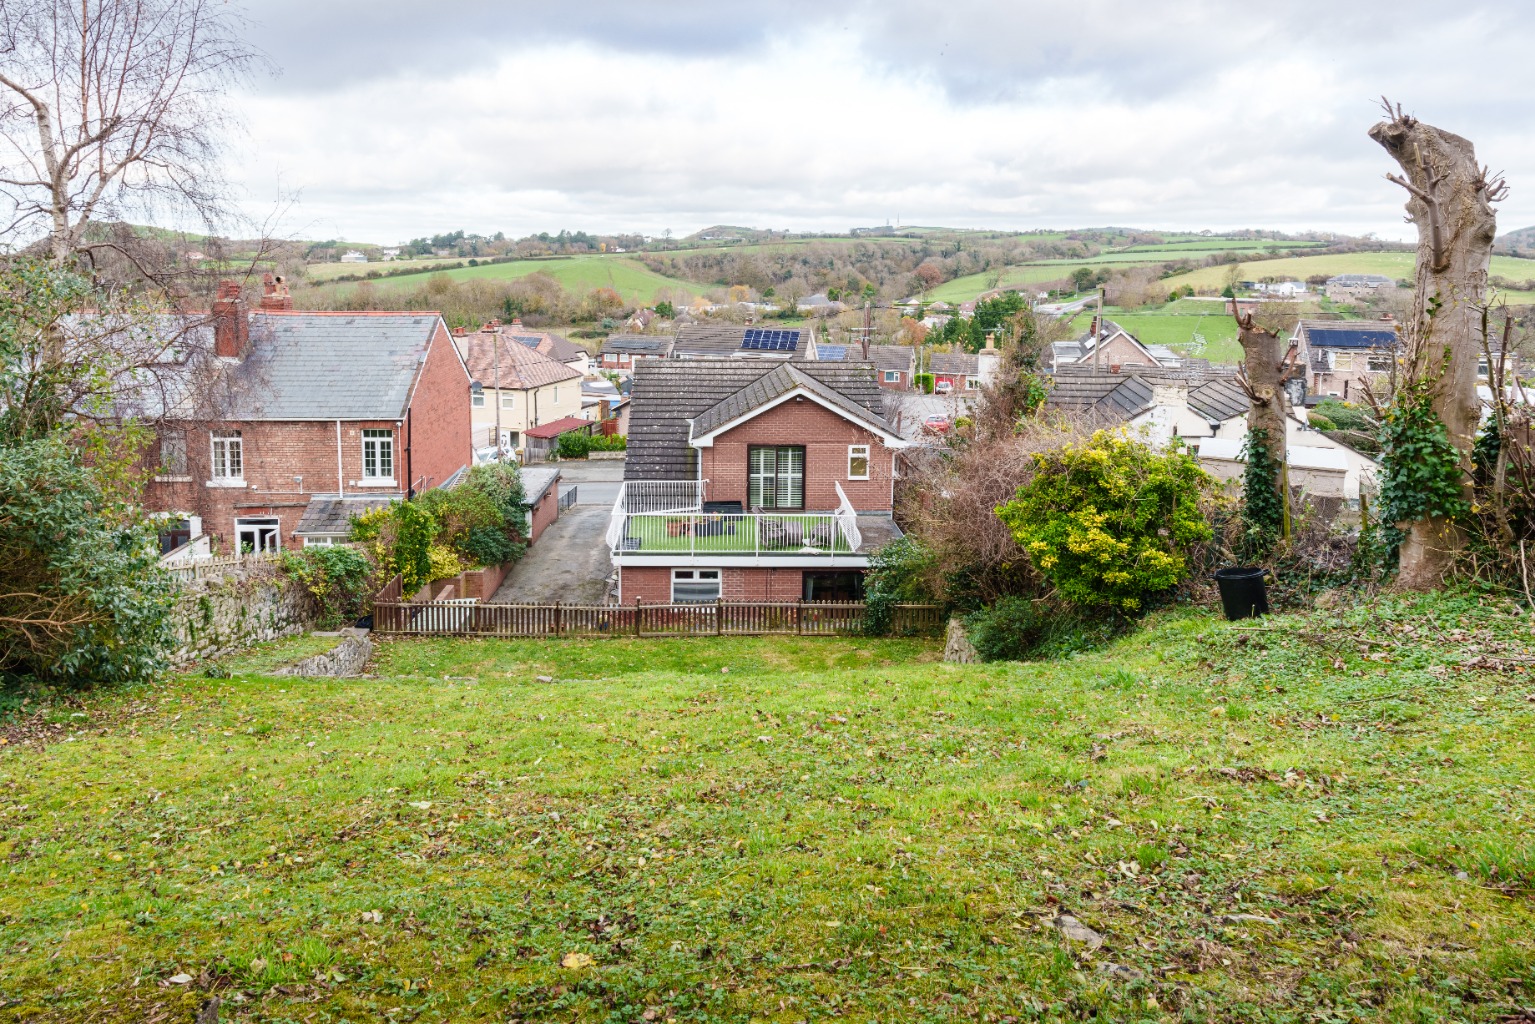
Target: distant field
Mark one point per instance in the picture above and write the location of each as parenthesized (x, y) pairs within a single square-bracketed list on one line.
[(630, 278), (1397, 265), (1180, 325), (318, 272)]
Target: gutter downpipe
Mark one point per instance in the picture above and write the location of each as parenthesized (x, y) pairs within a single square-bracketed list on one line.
[(410, 439), (340, 471)]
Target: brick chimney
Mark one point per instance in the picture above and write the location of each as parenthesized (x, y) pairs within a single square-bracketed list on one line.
[(274, 294), (231, 322)]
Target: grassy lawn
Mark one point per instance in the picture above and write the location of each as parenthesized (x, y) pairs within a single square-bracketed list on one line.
[(1298, 820), (733, 533), (630, 278), (1195, 328)]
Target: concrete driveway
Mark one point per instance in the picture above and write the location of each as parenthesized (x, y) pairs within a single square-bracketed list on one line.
[(596, 483), (569, 563)]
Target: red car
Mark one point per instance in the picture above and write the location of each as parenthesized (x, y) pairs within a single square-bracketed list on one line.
[(937, 424)]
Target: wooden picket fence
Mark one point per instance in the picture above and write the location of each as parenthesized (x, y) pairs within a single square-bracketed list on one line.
[(719, 618)]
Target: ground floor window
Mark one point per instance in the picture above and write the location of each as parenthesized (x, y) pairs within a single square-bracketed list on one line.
[(256, 535), (840, 585), (692, 586), (321, 542), (173, 534)]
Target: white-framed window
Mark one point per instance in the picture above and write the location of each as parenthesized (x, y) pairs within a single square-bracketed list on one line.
[(776, 476), (257, 534), (858, 462), (892, 376), (228, 455), (319, 542), (378, 455), (173, 453), (1382, 364), (972, 383), (695, 586), (477, 399), (1343, 361), (508, 400)]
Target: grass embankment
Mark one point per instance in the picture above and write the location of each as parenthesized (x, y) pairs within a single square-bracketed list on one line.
[(1296, 820)]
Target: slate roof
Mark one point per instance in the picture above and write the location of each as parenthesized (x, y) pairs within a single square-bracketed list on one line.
[(669, 393), (954, 363), (780, 381), (554, 428), (891, 357), (310, 366), (1218, 400), (639, 344), (709, 339), (1117, 396), (333, 516), (521, 369), (1358, 334)]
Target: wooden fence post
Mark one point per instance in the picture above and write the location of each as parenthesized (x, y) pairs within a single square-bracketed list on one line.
[(719, 616), (557, 623), (799, 607), (637, 617)]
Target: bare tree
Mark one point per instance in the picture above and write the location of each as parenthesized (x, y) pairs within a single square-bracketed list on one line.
[(1267, 360), (1450, 201), (111, 109)]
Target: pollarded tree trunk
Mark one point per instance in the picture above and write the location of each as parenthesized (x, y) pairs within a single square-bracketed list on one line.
[(1265, 365), (1451, 203)]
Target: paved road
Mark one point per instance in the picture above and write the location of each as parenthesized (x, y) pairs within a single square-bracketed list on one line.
[(569, 563), (596, 483), (915, 408)]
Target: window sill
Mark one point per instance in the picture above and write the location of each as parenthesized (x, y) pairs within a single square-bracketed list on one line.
[(173, 478), (226, 482), (376, 482)]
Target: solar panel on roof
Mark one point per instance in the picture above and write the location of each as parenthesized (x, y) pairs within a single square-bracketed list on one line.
[(832, 353), (763, 340), (530, 340)]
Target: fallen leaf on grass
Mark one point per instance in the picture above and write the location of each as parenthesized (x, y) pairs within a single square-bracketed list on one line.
[(576, 961), (179, 979), (421, 804)]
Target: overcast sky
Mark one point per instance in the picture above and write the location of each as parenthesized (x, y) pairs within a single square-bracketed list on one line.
[(396, 118)]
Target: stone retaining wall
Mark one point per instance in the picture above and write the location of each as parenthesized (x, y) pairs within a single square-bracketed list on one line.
[(347, 658), (216, 616)]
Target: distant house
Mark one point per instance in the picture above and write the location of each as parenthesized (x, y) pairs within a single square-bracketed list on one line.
[(1108, 346), (1343, 358), (730, 341), (894, 365), (309, 419), (751, 480), (538, 442), (1353, 287), (1281, 289), (516, 387), (639, 320), (619, 351), (388, 255), (353, 256), (963, 371), (552, 345)]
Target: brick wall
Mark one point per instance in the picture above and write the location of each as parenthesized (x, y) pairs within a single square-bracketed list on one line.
[(272, 455), (903, 384), (825, 437), (545, 511), (439, 434), (654, 585)]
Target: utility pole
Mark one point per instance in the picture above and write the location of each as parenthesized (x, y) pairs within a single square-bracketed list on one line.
[(868, 327), (1097, 330)]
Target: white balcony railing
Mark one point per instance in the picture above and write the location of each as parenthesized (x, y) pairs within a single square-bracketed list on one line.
[(639, 526)]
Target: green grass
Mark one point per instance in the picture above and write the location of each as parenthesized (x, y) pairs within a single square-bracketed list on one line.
[(830, 828), (1177, 324), (734, 533), (630, 278), (316, 273)]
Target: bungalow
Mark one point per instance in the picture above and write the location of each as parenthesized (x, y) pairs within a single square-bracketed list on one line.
[(515, 387), (963, 371), (748, 480), (552, 345), (732, 341), (1108, 346), (619, 351)]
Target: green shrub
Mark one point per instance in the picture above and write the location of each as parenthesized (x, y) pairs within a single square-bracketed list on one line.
[(1342, 416), (414, 531), (1110, 522), (83, 599), (443, 563), (923, 383), (895, 576), (1320, 422), (576, 445), (340, 578), (1019, 629)]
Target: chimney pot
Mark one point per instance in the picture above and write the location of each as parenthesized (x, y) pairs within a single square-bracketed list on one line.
[(274, 294)]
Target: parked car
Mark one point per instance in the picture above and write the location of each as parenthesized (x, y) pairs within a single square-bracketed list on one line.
[(943, 387), (937, 424)]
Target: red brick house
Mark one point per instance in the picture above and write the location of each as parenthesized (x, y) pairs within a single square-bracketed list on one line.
[(302, 419), (750, 481)]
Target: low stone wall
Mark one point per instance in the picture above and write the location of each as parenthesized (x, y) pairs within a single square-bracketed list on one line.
[(347, 658), (607, 456), (223, 614)]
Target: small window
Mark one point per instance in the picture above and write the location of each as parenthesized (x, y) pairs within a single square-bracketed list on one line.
[(1382, 364), (228, 455), (972, 383), (892, 376), (319, 542), (858, 462), (1343, 361), (507, 400), (378, 455), (695, 586), (555, 395), (477, 399), (173, 454)]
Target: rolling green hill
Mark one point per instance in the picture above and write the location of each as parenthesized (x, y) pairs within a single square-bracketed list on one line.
[(1397, 265), (630, 278)]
